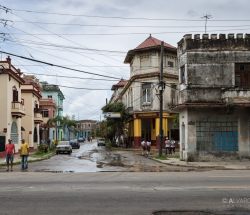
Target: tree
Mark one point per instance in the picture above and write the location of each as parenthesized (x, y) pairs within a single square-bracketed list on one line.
[(68, 124), (115, 126)]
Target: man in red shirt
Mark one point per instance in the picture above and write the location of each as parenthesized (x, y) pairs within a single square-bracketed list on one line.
[(10, 151)]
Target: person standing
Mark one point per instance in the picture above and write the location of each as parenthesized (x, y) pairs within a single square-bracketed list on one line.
[(10, 151), (144, 146), (167, 146), (148, 147), (24, 153)]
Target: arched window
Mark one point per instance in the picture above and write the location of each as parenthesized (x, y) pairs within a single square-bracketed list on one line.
[(35, 135)]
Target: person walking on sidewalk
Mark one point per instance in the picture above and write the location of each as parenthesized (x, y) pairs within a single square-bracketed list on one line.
[(24, 153), (144, 147), (10, 151), (148, 143)]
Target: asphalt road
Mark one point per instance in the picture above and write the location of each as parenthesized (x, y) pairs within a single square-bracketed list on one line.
[(90, 158), (42, 193)]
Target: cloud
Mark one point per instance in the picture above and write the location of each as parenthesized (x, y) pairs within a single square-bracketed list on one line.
[(87, 104)]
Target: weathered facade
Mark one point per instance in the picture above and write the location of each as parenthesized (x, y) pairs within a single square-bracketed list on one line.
[(117, 89), (214, 96), (85, 128), (11, 105), (48, 111), (31, 93), (140, 94), (51, 91)]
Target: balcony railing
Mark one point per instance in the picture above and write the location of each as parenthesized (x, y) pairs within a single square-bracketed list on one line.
[(17, 109), (129, 110), (38, 118), (236, 96)]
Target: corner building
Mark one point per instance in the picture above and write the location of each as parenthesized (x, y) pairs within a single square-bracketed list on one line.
[(140, 94)]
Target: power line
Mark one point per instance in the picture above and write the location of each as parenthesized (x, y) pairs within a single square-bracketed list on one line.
[(81, 88), (46, 52), (72, 77), (57, 45), (126, 18), (126, 26), (59, 66), (71, 41)]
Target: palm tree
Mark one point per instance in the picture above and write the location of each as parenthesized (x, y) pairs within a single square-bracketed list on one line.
[(68, 125)]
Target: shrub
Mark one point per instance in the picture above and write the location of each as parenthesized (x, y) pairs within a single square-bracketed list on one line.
[(43, 148)]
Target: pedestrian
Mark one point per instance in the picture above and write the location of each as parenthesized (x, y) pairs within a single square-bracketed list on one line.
[(172, 145), (48, 142), (10, 151), (91, 139), (24, 153), (148, 144), (144, 146), (167, 145)]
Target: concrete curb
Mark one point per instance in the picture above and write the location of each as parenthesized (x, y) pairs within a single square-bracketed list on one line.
[(45, 157), (215, 167)]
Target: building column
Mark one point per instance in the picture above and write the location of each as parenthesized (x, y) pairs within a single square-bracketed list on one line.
[(157, 130), (137, 133), (243, 137), (38, 134)]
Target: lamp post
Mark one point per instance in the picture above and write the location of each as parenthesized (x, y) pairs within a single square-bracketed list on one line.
[(161, 89)]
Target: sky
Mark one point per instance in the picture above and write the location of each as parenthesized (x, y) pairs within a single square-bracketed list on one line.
[(94, 36)]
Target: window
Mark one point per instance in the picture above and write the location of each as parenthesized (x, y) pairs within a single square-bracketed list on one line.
[(146, 93), (242, 75), (15, 94), (182, 75), (170, 64), (45, 113), (131, 98), (50, 96)]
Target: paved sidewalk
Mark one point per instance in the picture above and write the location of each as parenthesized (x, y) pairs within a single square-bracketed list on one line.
[(229, 165), (31, 158)]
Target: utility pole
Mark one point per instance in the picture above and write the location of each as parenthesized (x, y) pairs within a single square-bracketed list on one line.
[(206, 17), (161, 89)]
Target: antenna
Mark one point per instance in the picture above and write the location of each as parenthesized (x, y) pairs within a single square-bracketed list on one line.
[(206, 17)]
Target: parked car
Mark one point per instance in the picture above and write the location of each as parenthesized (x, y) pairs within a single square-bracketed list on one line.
[(81, 139), (101, 142), (74, 144), (63, 147)]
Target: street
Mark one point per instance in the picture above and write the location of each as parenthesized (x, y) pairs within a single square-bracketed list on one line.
[(123, 192), (93, 180), (91, 158)]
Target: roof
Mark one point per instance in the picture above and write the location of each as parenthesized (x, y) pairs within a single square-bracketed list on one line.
[(148, 44), (152, 42), (121, 83), (51, 88)]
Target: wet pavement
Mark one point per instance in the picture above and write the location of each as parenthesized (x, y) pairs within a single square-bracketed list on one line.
[(91, 158)]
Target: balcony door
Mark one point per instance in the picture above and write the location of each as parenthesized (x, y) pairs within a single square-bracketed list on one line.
[(242, 75)]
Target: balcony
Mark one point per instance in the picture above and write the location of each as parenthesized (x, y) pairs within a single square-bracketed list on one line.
[(38, 118), (17, 109), (60, 106), (237, 97), (129, 110)]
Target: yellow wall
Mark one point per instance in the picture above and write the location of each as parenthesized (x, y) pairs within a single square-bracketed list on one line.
[(137, 127), (164, 126)]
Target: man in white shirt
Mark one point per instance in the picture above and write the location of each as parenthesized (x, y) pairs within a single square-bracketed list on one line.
[(144, 146), (148, 147)]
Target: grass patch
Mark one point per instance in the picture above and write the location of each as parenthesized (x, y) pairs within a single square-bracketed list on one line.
[(39, 154), (162, 157)]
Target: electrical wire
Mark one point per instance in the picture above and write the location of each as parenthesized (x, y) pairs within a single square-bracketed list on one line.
[(59, 66)]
